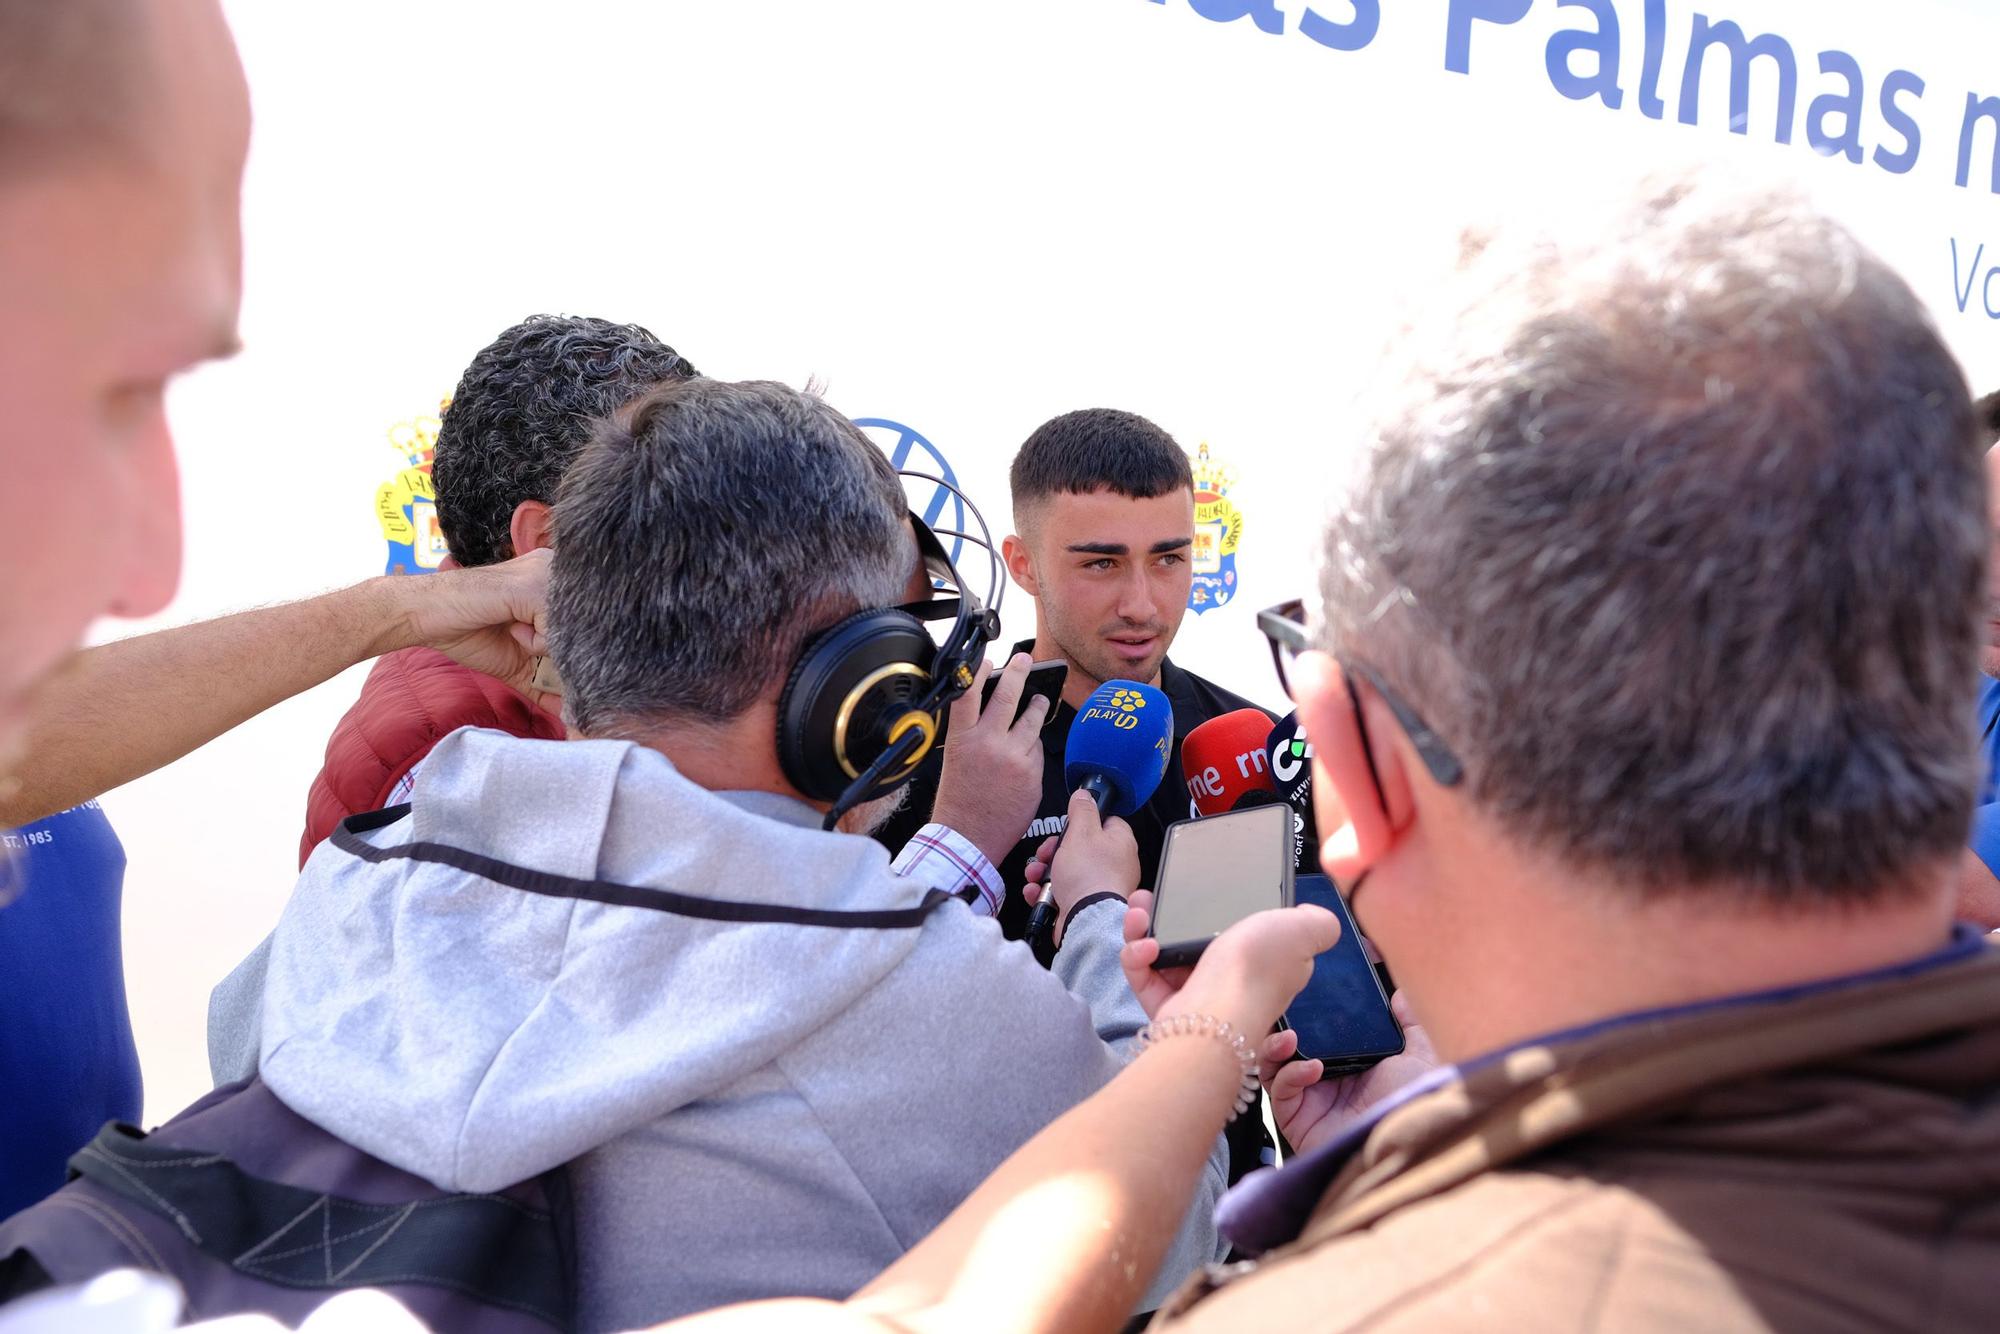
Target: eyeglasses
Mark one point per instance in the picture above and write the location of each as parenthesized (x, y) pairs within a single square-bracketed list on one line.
[(1285, 627)]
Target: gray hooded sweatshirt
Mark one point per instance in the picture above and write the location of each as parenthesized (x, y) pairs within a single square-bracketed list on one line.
[(748, 1108)]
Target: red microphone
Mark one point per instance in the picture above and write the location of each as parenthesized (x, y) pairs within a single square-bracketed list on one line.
[(1227, 763)]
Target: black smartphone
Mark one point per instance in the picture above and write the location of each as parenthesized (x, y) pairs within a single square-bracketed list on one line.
[(1044, 678), (1342, 1017), (1214, 872)]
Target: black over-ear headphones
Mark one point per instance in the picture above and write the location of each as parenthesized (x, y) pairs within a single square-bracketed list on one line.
[(862, 706)]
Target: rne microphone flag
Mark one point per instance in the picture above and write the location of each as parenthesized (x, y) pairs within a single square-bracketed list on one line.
[(1226, 763)]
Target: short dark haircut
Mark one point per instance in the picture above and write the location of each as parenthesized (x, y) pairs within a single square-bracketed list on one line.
[(73, 75), (706, 532), (1098, 449), (1989, 415), (523, 410)]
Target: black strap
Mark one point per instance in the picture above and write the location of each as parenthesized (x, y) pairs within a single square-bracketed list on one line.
[(1062, 931), (346, 838), (487, 1247)]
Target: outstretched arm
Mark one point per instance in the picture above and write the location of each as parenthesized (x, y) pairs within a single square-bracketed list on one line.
[(119, 711)]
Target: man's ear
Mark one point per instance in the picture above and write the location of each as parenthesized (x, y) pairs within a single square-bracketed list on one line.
[(916, 588), (530, 527), (1014, 550), (1358, 821)]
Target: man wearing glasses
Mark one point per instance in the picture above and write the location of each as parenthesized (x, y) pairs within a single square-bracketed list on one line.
[(1637, 681)]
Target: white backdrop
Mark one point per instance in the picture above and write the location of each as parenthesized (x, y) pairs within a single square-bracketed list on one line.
[(966, 217)]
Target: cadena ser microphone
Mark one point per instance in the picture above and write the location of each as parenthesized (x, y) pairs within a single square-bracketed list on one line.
[(1117, 752), (1227, 764), (1291, 754)]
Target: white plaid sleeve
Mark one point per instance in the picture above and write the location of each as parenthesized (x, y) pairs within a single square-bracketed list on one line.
[(942, 858)]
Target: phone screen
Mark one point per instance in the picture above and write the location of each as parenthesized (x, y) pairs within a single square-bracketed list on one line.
[(1217, 871), (1342, 1017)]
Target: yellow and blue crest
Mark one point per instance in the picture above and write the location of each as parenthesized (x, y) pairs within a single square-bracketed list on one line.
[(406, 504), (1218, 532)]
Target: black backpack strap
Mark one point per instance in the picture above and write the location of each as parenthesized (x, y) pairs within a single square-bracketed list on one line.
[(345, 837), (490, 1248)]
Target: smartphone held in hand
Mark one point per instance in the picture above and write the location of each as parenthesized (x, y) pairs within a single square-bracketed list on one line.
[(1342, 1017), (1215, 872), (1044, 678)]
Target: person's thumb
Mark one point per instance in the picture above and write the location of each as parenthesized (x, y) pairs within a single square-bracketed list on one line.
[(1319, 929), (1083, 814)]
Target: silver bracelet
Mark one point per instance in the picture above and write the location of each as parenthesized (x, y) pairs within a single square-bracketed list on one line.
[(1208, 1026)]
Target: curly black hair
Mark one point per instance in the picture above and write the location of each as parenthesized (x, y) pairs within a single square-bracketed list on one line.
[(521, 413)]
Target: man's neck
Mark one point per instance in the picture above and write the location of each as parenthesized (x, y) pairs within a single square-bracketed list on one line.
[(733, 756), (1528, 952)]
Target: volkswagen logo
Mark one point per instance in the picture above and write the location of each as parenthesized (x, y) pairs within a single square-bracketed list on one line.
[(907, 448)]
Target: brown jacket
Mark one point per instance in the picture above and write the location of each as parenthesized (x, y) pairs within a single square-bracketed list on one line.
[(1818, 1160)]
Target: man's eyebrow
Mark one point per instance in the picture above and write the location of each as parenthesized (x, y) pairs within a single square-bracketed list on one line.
[(1160, 548)]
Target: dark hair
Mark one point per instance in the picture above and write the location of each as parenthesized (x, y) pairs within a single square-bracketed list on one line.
[(1989, 414), (1098, 449), (521, 413), (704, 534)]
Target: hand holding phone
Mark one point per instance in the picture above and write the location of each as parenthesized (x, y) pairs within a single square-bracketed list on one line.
[(1312, 1108), (990, 782), (1343, 1017), (1045, 681), (1246, 977), (1215, 872)]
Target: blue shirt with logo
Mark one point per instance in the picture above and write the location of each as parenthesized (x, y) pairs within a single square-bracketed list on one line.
[(67, 1060)]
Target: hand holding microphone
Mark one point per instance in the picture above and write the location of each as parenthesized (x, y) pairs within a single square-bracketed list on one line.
[(1117, 753), (1091, 856)]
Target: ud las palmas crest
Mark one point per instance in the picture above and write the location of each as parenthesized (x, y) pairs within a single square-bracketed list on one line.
[(1218, 532), (406, 504)]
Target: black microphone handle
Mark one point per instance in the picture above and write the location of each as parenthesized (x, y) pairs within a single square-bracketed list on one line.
[(1042, 921), (1099, 788)]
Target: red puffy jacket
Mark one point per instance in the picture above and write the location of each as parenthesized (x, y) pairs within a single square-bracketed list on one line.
[(411, 701)]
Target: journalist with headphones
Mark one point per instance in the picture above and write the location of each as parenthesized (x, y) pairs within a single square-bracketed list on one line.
[(658, 954)]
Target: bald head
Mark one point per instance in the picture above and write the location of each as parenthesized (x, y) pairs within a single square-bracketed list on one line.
[(74, 76), (123, 128)]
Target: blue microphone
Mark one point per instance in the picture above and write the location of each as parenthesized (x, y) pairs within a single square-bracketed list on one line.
[(1118, 750), (1119, 746)]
